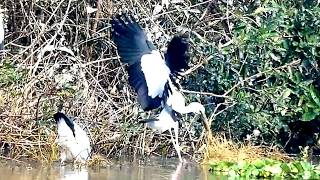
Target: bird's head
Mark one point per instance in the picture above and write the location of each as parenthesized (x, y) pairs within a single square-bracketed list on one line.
[(197, 108), (57, 116)]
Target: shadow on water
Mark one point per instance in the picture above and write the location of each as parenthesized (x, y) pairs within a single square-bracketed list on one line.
[(153, 169)]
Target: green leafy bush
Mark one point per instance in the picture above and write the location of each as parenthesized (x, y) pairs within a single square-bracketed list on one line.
[(270, 70)]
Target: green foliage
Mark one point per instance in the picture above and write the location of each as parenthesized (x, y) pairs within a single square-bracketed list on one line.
[(270, 70), (267, 168), (10, 75)]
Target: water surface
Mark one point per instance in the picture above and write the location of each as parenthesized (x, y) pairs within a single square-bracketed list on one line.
[(151, 169)]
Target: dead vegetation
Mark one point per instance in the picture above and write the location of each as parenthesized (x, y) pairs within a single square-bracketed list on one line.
[(220, 148), (62, 52)]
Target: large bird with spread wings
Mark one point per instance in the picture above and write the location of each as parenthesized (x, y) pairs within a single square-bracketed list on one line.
[(151, 75)]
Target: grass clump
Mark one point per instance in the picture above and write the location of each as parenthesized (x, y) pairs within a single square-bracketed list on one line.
[(220, 148), (9, 75)]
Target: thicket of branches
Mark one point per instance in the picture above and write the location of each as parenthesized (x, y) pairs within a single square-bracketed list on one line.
[(60, 51)]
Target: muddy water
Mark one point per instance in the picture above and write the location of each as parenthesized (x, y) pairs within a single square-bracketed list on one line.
[(152, 169)]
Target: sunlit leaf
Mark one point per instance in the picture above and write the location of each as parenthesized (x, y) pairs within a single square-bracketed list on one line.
[(286, 93), (308, 116), (314, 95)]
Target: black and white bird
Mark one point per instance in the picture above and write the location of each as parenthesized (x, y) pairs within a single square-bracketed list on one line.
[(151, 75), (168, 120), (73, 141)]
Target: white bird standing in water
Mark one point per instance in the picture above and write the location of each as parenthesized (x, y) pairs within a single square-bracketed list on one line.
[(151, 75), (73, 142)]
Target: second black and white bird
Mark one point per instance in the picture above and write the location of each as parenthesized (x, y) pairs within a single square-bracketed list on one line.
[(73, 141)]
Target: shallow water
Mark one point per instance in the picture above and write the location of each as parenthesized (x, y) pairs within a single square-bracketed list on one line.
[(152, 169)]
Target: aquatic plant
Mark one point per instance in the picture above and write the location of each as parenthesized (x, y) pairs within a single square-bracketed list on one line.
[(266, 168)]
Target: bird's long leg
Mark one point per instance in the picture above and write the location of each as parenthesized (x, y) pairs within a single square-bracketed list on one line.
[(175, 142), (177, 173), (63, 157)]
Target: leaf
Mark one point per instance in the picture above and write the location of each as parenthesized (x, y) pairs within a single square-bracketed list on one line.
[(311, 105), (306, 175), (254, 172), (308, 116), (285, 168), (275, 169), (314, 95), (286, 93), (298, 77), (260, 10), (259, 163), (301, 100), (298, 165), (283, 111), (306, 165)]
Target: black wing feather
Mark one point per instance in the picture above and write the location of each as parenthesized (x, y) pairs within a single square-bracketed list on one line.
[(130, 39), (177, 55), (132, 44)]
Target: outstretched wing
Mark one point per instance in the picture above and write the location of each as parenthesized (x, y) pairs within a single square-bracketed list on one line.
[(177, 55), (132, 43), (138, 82), (148, 72)]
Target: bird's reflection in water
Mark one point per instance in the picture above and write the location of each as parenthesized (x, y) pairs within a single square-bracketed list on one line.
[(177, 173), (151, 169), (68, 173)]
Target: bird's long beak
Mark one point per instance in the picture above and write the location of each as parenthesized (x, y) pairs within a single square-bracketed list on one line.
[(148, 120), (205, 122)]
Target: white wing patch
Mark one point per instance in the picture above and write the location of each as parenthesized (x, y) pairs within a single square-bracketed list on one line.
[(156, 73)]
